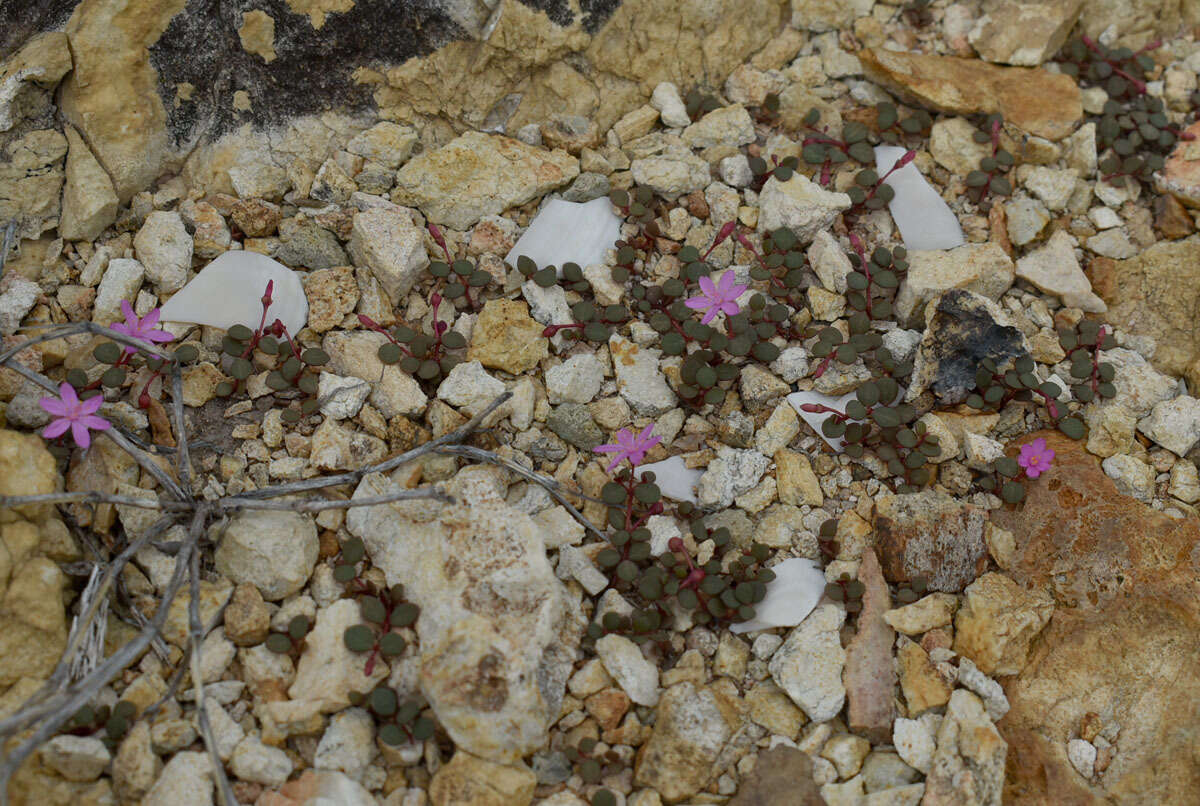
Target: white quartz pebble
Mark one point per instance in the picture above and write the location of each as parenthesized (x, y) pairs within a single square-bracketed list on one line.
[(229, 292), (791, 596), (674, 478), (925, 221), (568, 232)]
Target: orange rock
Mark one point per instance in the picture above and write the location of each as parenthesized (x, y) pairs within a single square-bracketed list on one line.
[(1034, 100), (870, 676), (608, 706), (1122, 643), (1181, 175)]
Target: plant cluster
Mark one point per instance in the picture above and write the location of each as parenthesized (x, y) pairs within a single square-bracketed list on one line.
[(722, 590), (1133, 126), (293, 373), (989, 178), (421, 355), (291, 640), (1001, 478), (384, 610), (591, 767), (1093, 377), (109, 724), (1122, 72), (857, 144), (397, 721)]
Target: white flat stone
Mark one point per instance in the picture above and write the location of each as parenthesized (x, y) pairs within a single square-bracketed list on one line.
[(229, 291), (568, 232), (798, 399), (791, 596), (674, 478), (925, 221)]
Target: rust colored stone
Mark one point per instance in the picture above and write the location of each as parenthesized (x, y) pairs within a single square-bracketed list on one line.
[(1034, 100), (870, 675), (1124, 640), (1171, 219)]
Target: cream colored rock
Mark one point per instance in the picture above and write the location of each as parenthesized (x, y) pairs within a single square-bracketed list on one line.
[(997, 623), (497, 632), (923, 615), (41, 62), (478, 175), (1054, 269), (112, 95), (31, 179), (470, 779), (89, 203), (981, 268)]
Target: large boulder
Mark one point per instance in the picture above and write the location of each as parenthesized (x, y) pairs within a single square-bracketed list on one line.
[(1118, 656), (497, 629)]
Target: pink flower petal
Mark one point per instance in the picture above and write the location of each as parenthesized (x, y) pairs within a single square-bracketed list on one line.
[(151, 319), (56, 429), (95, 423), (130, 316), (729, 308), (91, 405), (725, 283), (67, 392), (613, 464), (1039, 445), (80, 433), (708, 317), (608, 449), (696, 303), (706, 285), (1033, 472), (54, 406)]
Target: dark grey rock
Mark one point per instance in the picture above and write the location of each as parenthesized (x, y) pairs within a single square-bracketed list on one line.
[(313, 68), (965, 328)]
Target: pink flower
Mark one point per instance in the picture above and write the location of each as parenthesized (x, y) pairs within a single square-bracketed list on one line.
[(719, 298), (630, 447), (1035, 458), (143, 328), (74, 414)]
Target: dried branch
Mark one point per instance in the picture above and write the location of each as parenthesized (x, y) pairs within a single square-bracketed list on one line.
[(54, 712), (56, 702), (195, 636)]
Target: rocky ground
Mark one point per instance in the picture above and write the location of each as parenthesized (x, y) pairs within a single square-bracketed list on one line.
[(547, 630)]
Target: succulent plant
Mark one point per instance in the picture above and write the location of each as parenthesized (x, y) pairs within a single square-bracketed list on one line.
[(113, 722), (293, 373), (384, 610), (1002, 480), (912, 590), (848, 591), (426, 357), (699, 103), (398, 721), (591, 767), (989, 178), (291, 640), (1120, 71)]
